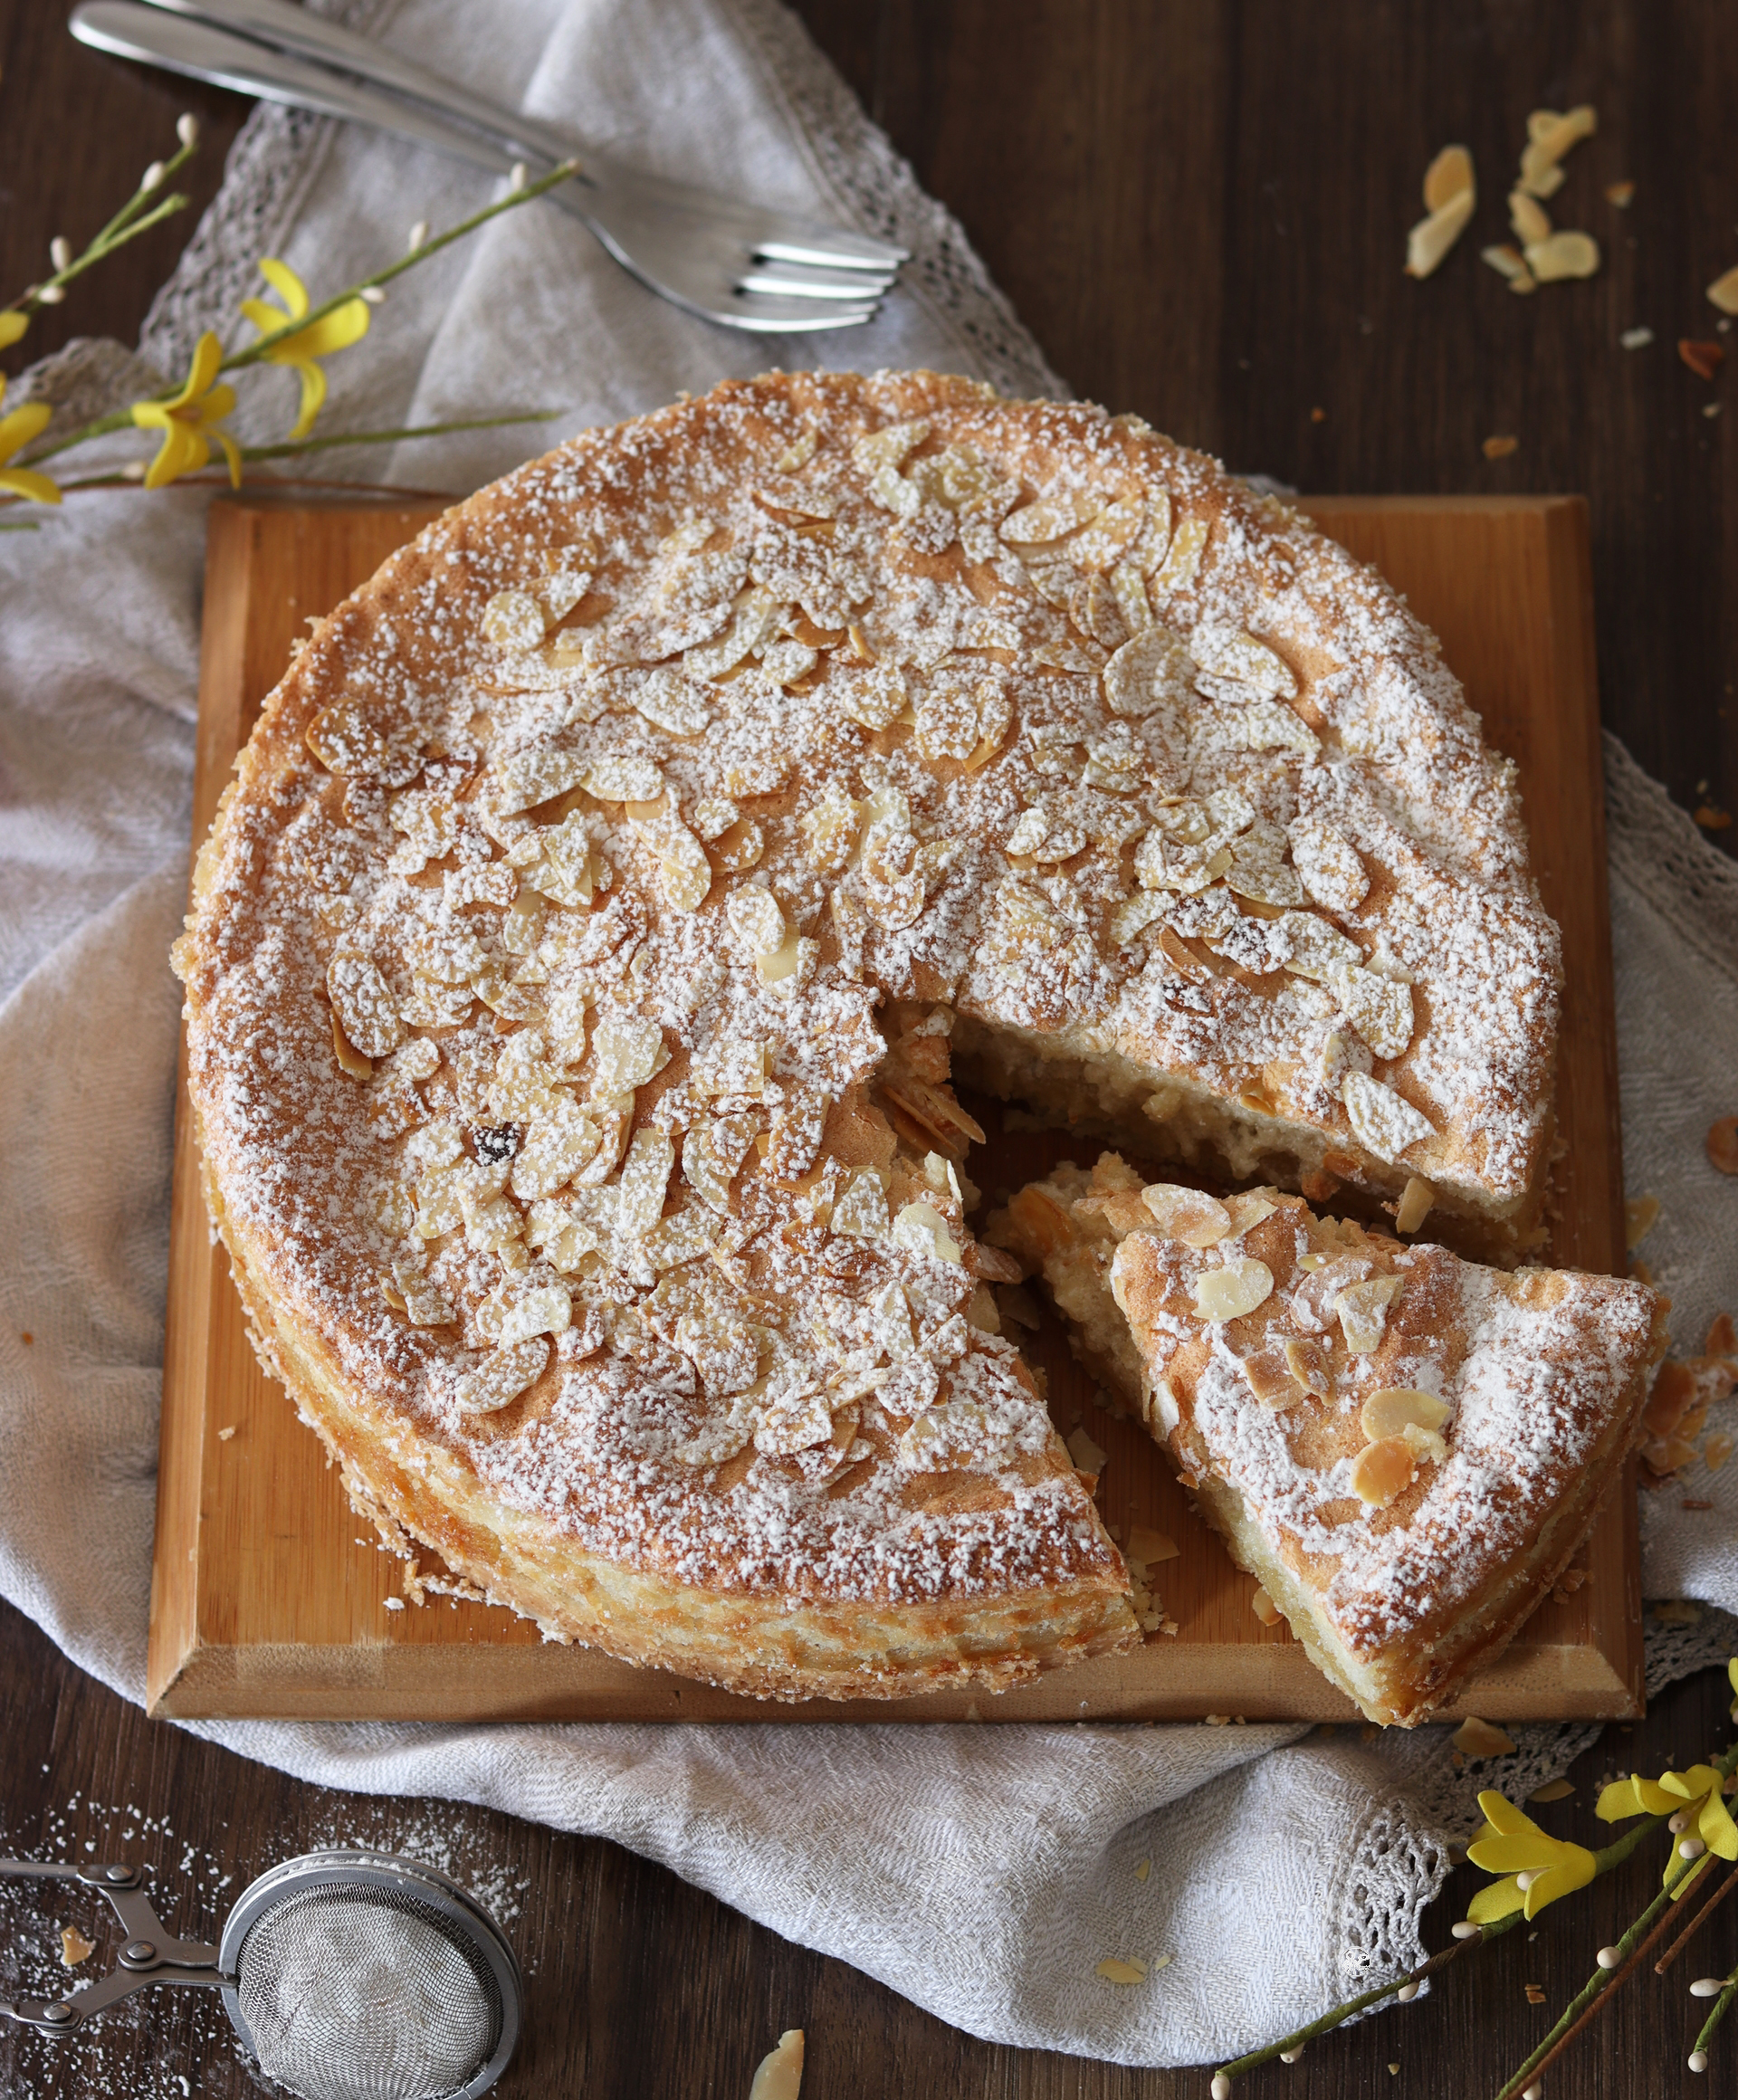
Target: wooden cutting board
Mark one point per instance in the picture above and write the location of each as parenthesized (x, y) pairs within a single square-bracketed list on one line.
[(268, 1597)]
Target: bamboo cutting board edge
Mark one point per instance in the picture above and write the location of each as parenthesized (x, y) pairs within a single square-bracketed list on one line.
[(208, 1655)]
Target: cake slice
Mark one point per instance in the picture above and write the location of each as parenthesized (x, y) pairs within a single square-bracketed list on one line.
[(1406, 1449)]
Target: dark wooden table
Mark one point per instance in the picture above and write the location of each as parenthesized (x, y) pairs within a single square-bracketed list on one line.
[(1201, 210)]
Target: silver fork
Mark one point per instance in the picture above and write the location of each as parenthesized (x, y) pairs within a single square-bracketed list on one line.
[(738, 264)]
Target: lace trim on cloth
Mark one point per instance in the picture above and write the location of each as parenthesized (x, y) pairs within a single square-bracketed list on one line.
[(1392, 1872), (855, 162), (1656, 848), (276, 155)]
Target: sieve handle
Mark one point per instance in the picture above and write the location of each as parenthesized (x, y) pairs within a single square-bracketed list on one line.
[(150, 1954)]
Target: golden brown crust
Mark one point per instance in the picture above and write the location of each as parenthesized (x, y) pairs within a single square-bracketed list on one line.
[(572, 967)]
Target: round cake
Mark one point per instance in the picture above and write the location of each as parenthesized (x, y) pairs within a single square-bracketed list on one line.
[(609, 893)]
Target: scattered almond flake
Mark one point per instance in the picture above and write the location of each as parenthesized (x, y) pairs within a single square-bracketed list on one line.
[(1535, 1993), (223, 1436), (1088, 1456), (1621, 194), (780, 2073), (1563, 255), (1716, 1448), (1162, 1960), (1496, 448), (1712, 409), (1476, 1738), (1449, 174), (1548, 142), (1218, 1720), (1677, 1611), (393, 1603), (1708, 815), (1636, 339), (74, 1947), (1119, 1971), (1141, 1872), (1554, 1790), (1150, 1548), (1510, 264), (1264, 1608), (1431, 239), (1704, 358), (1640, 1215), (1190, 1215), (1528, 218), (1721, 1144), (1724, 290)]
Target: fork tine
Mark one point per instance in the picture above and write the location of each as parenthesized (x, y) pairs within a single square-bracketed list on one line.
[(825, 254), (794, 284), (769, 316)]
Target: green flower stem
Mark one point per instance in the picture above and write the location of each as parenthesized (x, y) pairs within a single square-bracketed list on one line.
[(291, 448), (1632, 1949), (1722, 2005), (122, 419), (255, 352), (126, 225), (1341, 2013)]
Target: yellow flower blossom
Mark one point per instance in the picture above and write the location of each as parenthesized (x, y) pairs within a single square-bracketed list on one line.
[(1537, 1867), (345, 325), (1700, 1789), (16, 431), (13, 324), (189, 422)]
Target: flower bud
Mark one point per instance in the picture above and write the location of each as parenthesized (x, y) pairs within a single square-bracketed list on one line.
[(60, 253), (1608, 1957), (186, 130), (152, 175)]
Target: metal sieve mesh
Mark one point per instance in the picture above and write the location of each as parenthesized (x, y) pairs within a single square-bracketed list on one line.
[(362, 1993)]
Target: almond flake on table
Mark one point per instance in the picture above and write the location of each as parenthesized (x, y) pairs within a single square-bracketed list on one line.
[(1721, 1143), (1621, 194), (1496, 448), (1509, 263), (1563, 255), (1704, 358), (1550, 136), (1724, 290), (780, 2074), (1480, 1738), (1636, 339), (1450, 195)]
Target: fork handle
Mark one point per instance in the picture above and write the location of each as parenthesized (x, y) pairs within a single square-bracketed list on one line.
[(284, 26), (185, 44)]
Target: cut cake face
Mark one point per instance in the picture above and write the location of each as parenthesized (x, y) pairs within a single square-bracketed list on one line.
[(1404, 1449)]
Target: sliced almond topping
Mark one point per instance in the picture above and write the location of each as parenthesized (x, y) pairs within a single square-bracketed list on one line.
[(1431, 239), (1362, 1309), (1230, 653), (798, 453), (682, 864), (513, 620), (350, 1058), (1237, 1289), (1264, 1608), (1387, 1413), (1190, 1215), (1051, 517), (1449, 174), (756, 919), (1307, 1362), (1383, 1470), (1250, 1209), (1416, 1200), (501, 1378), (1182, 559), (1476, 1738), (623, 776)]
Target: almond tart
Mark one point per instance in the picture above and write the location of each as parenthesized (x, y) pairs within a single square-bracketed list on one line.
[(578, 962), (1406, 1449)]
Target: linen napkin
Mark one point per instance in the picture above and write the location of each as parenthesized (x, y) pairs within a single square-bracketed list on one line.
[(982, 1871)]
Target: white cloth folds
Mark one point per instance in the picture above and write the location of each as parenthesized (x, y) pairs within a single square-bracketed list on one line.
[(982, 1871)]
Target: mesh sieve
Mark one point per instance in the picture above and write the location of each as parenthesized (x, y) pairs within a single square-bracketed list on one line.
[(362, 1992)]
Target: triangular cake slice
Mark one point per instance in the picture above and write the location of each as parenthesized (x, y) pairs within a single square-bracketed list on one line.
[(1406, 1449)]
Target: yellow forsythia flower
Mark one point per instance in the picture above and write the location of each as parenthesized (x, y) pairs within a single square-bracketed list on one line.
[(13, 324), (1667, 1796), (345, 325), (16, 431), (1512, 1844), (188, 422)]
